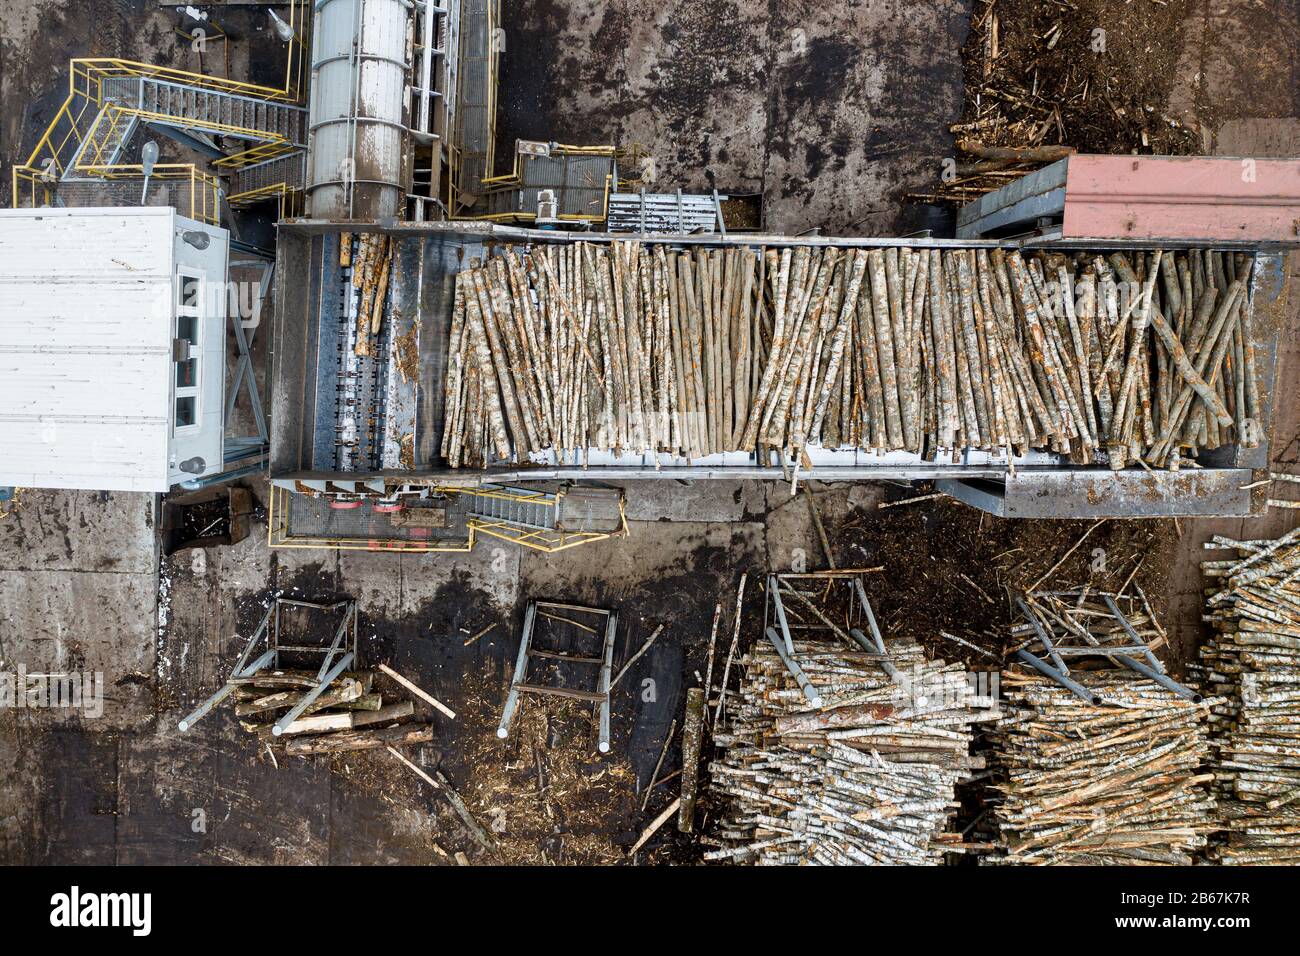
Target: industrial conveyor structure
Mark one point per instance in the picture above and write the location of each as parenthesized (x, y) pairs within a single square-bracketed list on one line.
[(380, 516), (363, 423)]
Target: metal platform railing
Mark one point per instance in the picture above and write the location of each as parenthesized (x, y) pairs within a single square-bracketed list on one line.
[(190, 191), (280, 177), (533, 519), (109, 96)]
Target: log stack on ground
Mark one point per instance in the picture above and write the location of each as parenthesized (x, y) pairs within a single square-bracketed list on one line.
[(561, 350), (866, 777), (1119, 783), (350, 714), (1253, 663)]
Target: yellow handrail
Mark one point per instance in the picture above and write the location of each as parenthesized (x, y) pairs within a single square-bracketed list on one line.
[(211, 125), (519, 216), (261, 153), (513, 178), (86, 75), (204, 187), (289, 198)]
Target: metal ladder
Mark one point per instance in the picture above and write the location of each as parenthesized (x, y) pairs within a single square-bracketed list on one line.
[(599, 698), (194, 108), (518, 506), (439, 37), (108, 135)]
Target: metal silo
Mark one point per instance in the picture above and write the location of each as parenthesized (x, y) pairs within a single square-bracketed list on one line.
[(358, 166)]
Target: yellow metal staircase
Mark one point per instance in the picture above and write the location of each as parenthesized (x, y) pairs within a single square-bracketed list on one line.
[(108, 98)]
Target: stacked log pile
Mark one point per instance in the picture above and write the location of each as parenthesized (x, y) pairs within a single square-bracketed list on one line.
[(1118, 783), (1081, 617), (559, 350), (1253, 663), (867, 777), (348, 715)]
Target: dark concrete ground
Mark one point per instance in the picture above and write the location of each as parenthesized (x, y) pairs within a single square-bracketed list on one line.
[(126, 787), (830, 111)]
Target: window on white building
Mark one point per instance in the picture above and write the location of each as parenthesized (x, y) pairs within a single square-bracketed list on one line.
[(189, 328)]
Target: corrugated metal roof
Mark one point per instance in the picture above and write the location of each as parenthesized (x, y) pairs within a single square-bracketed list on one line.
[(662, 212), (85, 347)]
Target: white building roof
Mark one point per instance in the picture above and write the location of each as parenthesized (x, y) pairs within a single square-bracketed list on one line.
[(86, 306)]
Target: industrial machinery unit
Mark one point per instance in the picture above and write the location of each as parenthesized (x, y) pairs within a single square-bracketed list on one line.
[(363, 427), (118, 273), (378, 98), (553, 183), (1087, 197), (358, 163)]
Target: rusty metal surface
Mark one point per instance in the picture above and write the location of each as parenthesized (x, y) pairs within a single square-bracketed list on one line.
[(1093, 493), (1183, 197)]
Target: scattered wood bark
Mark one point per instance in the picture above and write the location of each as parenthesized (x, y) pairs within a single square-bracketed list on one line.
[(1045, 77), (1130, 358), (1253, 663), (1119, 784), (867, 777)]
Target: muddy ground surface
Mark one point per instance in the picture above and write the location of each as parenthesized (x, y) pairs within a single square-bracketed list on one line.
[(831, 112)]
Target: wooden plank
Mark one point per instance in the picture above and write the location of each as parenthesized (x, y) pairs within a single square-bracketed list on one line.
[(591, 695), (692, 738), (427, 698), (560, 656), (348, 740), (653, 828)]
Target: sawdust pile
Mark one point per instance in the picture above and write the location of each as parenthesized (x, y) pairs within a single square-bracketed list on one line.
[(948, 567), (546, 794), (1094, 75)]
